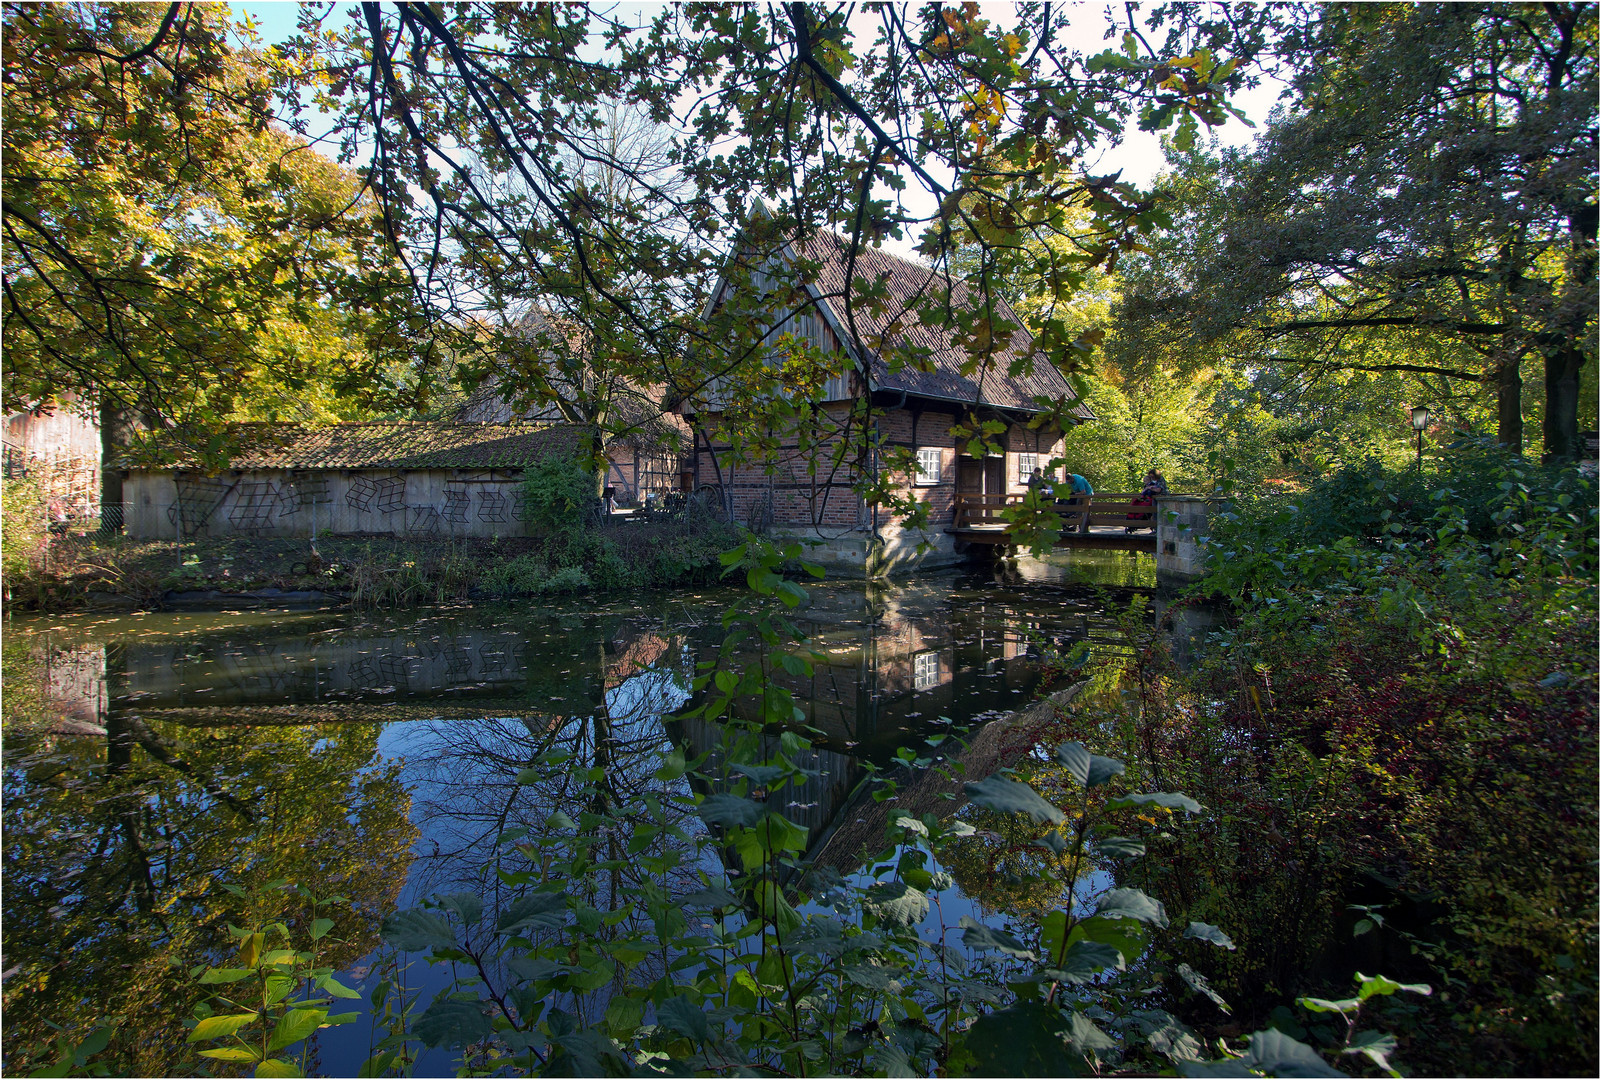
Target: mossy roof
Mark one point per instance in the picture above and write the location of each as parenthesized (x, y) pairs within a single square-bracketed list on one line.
[(403, 444)]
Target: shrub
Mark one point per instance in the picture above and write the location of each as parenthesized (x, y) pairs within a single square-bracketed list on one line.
[(569, 579), (521, 575), (1400, 718), (558, 495), (23, 534)]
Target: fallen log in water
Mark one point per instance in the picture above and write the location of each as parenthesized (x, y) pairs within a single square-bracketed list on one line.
[(998, 744)]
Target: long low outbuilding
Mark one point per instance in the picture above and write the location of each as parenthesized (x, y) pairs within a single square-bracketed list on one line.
[(416, 478)]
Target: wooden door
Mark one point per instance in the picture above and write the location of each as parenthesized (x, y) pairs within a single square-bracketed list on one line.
[(976, 476), (969, 475), (995, 476)]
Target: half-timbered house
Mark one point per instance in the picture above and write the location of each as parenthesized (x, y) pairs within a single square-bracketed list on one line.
[(808, 486)]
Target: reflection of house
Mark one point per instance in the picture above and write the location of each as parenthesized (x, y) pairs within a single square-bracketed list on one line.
[(59, 448), (415, 478), (636, 652), (808, 486), (813, 800)]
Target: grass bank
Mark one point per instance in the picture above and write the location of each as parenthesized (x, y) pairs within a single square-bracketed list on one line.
[(72, 572)]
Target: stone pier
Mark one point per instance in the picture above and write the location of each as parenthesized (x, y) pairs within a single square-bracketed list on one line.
[(1182, 528)]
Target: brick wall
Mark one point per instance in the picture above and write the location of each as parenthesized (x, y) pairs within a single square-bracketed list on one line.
[(806, 489), (803, 486)]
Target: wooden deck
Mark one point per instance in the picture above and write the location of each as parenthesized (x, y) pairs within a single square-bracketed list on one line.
[(978, 521)]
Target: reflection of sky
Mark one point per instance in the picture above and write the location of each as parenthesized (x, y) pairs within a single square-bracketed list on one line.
[(454, 848), (650, 693)]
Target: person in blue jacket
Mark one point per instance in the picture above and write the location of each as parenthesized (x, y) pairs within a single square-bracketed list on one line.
[(1080, 488)]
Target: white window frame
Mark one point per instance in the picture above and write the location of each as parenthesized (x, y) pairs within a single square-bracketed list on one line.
[(1027, 466), (925, 456), (926, 670)]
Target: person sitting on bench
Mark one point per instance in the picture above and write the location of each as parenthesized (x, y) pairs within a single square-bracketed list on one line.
[(1155, 487), (1081, 491)]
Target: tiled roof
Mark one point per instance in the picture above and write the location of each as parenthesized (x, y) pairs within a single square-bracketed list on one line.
[(404, 444), (632, 408), (908, 284)]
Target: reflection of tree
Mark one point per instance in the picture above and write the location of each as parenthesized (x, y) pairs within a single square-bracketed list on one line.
[(464, 774), (591, 772), (999, 868), (115, 847)]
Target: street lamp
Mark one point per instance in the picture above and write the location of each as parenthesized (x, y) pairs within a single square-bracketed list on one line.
[(1420, 420)]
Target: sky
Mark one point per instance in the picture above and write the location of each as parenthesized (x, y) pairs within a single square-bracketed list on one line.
[(1138, 155)]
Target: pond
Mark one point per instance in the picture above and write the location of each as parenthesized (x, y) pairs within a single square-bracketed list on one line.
[(152, 759)]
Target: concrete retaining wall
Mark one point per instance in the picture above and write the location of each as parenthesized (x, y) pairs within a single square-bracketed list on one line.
[(276, 502), (856, 554)]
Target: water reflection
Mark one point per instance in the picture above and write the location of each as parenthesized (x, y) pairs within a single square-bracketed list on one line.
[(119, 830), (149, 758)]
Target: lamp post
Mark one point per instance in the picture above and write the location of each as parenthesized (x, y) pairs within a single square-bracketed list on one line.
[(1420, 420)]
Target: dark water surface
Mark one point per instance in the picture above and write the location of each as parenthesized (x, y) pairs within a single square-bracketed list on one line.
[(150, 758)]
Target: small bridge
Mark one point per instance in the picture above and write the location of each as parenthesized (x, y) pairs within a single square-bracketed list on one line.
[(1090, 521)]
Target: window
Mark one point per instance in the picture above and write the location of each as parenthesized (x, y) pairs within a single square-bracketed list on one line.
[(1027, 466), (928, 466), (925, 670)]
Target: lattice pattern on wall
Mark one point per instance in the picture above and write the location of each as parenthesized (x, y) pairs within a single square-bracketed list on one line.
[(397, 671), (253, 506), (424, 521), (71, 483), (259, 669), (300, 491), (492, 506), (492, 658), (391, 495), (363, 673), (198, 498), (456, 503), (360, 494), (458, 665)]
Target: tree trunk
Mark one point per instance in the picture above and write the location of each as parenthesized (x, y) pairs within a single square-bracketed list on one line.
[(114, 431), (1563, 363), (1562, 403), (1509, 406)]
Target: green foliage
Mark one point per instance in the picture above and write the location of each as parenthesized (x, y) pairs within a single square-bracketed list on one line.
[(1140, 424), (23, 533), (1409, 658), (1343, 242), (530, 575), (175, 256), (166, 805), (567, 579), (270, 1000), (560, 496), (1484, 513)]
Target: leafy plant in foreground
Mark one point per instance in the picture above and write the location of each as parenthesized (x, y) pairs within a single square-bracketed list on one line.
[(271, 1000)]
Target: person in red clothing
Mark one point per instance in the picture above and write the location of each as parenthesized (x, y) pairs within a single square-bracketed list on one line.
[(1155, 485)]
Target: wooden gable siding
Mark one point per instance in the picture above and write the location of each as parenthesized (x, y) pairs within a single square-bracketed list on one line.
[(808, 324)]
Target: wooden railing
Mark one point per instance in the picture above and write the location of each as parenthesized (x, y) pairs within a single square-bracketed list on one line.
[(1109, 508), (977, 511)]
